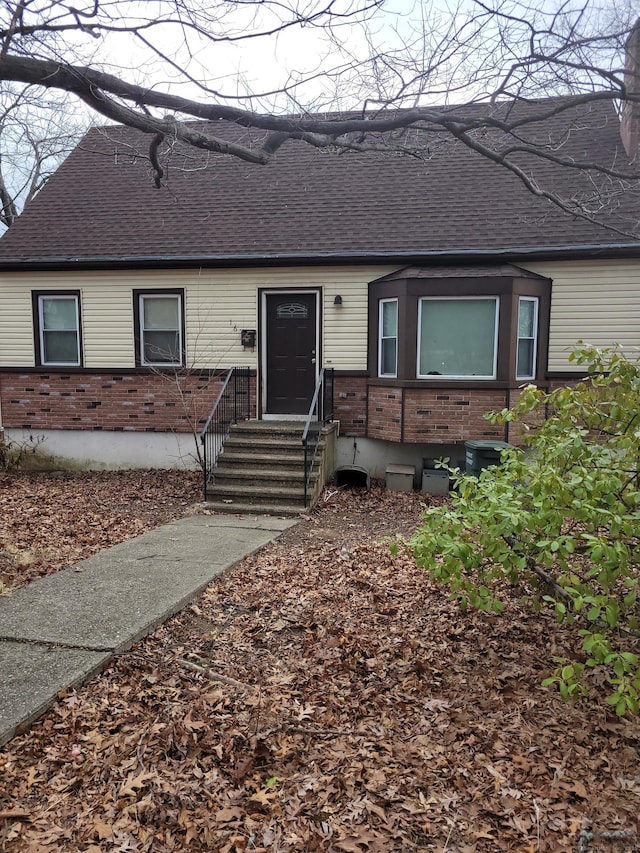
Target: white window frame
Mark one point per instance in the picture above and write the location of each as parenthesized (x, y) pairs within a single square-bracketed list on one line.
[(382, 337), (141, 329), (41, 328), (534, 338), (445, 377)]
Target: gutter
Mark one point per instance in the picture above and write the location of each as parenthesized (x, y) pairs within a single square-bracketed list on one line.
[(568, 252)]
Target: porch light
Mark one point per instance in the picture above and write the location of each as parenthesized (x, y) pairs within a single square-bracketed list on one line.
[(337, 300)]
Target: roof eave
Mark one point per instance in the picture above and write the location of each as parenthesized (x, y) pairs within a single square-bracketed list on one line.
[(512, 254)]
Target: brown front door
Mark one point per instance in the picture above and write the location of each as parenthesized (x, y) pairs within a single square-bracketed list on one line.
[(291, 352)]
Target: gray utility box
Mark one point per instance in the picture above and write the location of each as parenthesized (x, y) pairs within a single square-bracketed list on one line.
[(400, 478), (435, 482), (482, 454)]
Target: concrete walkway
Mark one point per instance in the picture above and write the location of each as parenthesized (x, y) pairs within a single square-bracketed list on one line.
[(62, 629)]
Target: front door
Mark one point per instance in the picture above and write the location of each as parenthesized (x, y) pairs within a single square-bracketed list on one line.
[(291, 352)]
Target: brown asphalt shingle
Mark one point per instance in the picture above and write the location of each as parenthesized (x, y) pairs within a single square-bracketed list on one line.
[(102, 205)]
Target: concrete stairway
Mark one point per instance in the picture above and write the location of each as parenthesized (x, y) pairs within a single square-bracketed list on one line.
[(261, 470)]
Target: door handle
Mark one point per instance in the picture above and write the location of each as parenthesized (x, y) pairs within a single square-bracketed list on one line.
[(313, 361)]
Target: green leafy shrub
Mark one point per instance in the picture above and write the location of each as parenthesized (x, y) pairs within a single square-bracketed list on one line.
[(562, 520)]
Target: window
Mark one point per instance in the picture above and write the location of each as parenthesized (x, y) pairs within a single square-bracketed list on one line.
[(388, 346), (466, 325), (159, 326), (292, 311), (527, 337), (458, 337), (57, 318)]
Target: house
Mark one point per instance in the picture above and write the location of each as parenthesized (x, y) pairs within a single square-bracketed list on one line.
[(434, 287)]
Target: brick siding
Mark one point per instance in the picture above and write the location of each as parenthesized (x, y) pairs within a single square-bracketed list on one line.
[(449, 416), (107, 401), (151, 403), (421, 415), (385, 413), (350, 405)]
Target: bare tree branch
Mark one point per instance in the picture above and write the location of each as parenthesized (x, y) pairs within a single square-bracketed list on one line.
[(35, 136), (389, 70)]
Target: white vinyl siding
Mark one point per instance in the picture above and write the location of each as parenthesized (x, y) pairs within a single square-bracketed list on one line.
[(597, 302), (17, 335), (218, 304)]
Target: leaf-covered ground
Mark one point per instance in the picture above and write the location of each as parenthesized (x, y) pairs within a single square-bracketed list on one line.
[(325, 696), (48, 521)]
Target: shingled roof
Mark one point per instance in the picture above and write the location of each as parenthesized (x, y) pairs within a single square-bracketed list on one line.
[(308, 204)]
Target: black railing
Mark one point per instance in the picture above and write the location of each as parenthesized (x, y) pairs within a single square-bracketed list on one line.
[(233, 405), (320, 413)]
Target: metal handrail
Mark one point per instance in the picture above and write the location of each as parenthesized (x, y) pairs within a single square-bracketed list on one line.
[(322, 407), (233, 404)]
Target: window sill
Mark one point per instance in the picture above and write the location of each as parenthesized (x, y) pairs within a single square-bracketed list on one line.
[(470, 384)]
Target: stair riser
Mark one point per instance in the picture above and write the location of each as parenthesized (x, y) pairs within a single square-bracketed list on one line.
[(263, 435), (274, 451), (255, 509), (261, 487), (270, 427), (262, 466), (265, 448), (291, 434), (255, 501), (244, 480), (268, 449)]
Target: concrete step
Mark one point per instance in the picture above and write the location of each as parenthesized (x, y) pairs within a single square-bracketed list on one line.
[(291, 430), (263, 444), (261, 469), (270, 426), (243, 508), (260, 493), (265, 476), (260, 461), (273, 430)]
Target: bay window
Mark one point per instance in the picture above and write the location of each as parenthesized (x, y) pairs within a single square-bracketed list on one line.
[(469, 326)]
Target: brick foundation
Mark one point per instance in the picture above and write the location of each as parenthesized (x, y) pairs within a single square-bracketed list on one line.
[(107, 401), (426, 415), (148, 402), (434, 415), (385, 419), (422, 415), (350, 405), (450, 416)]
